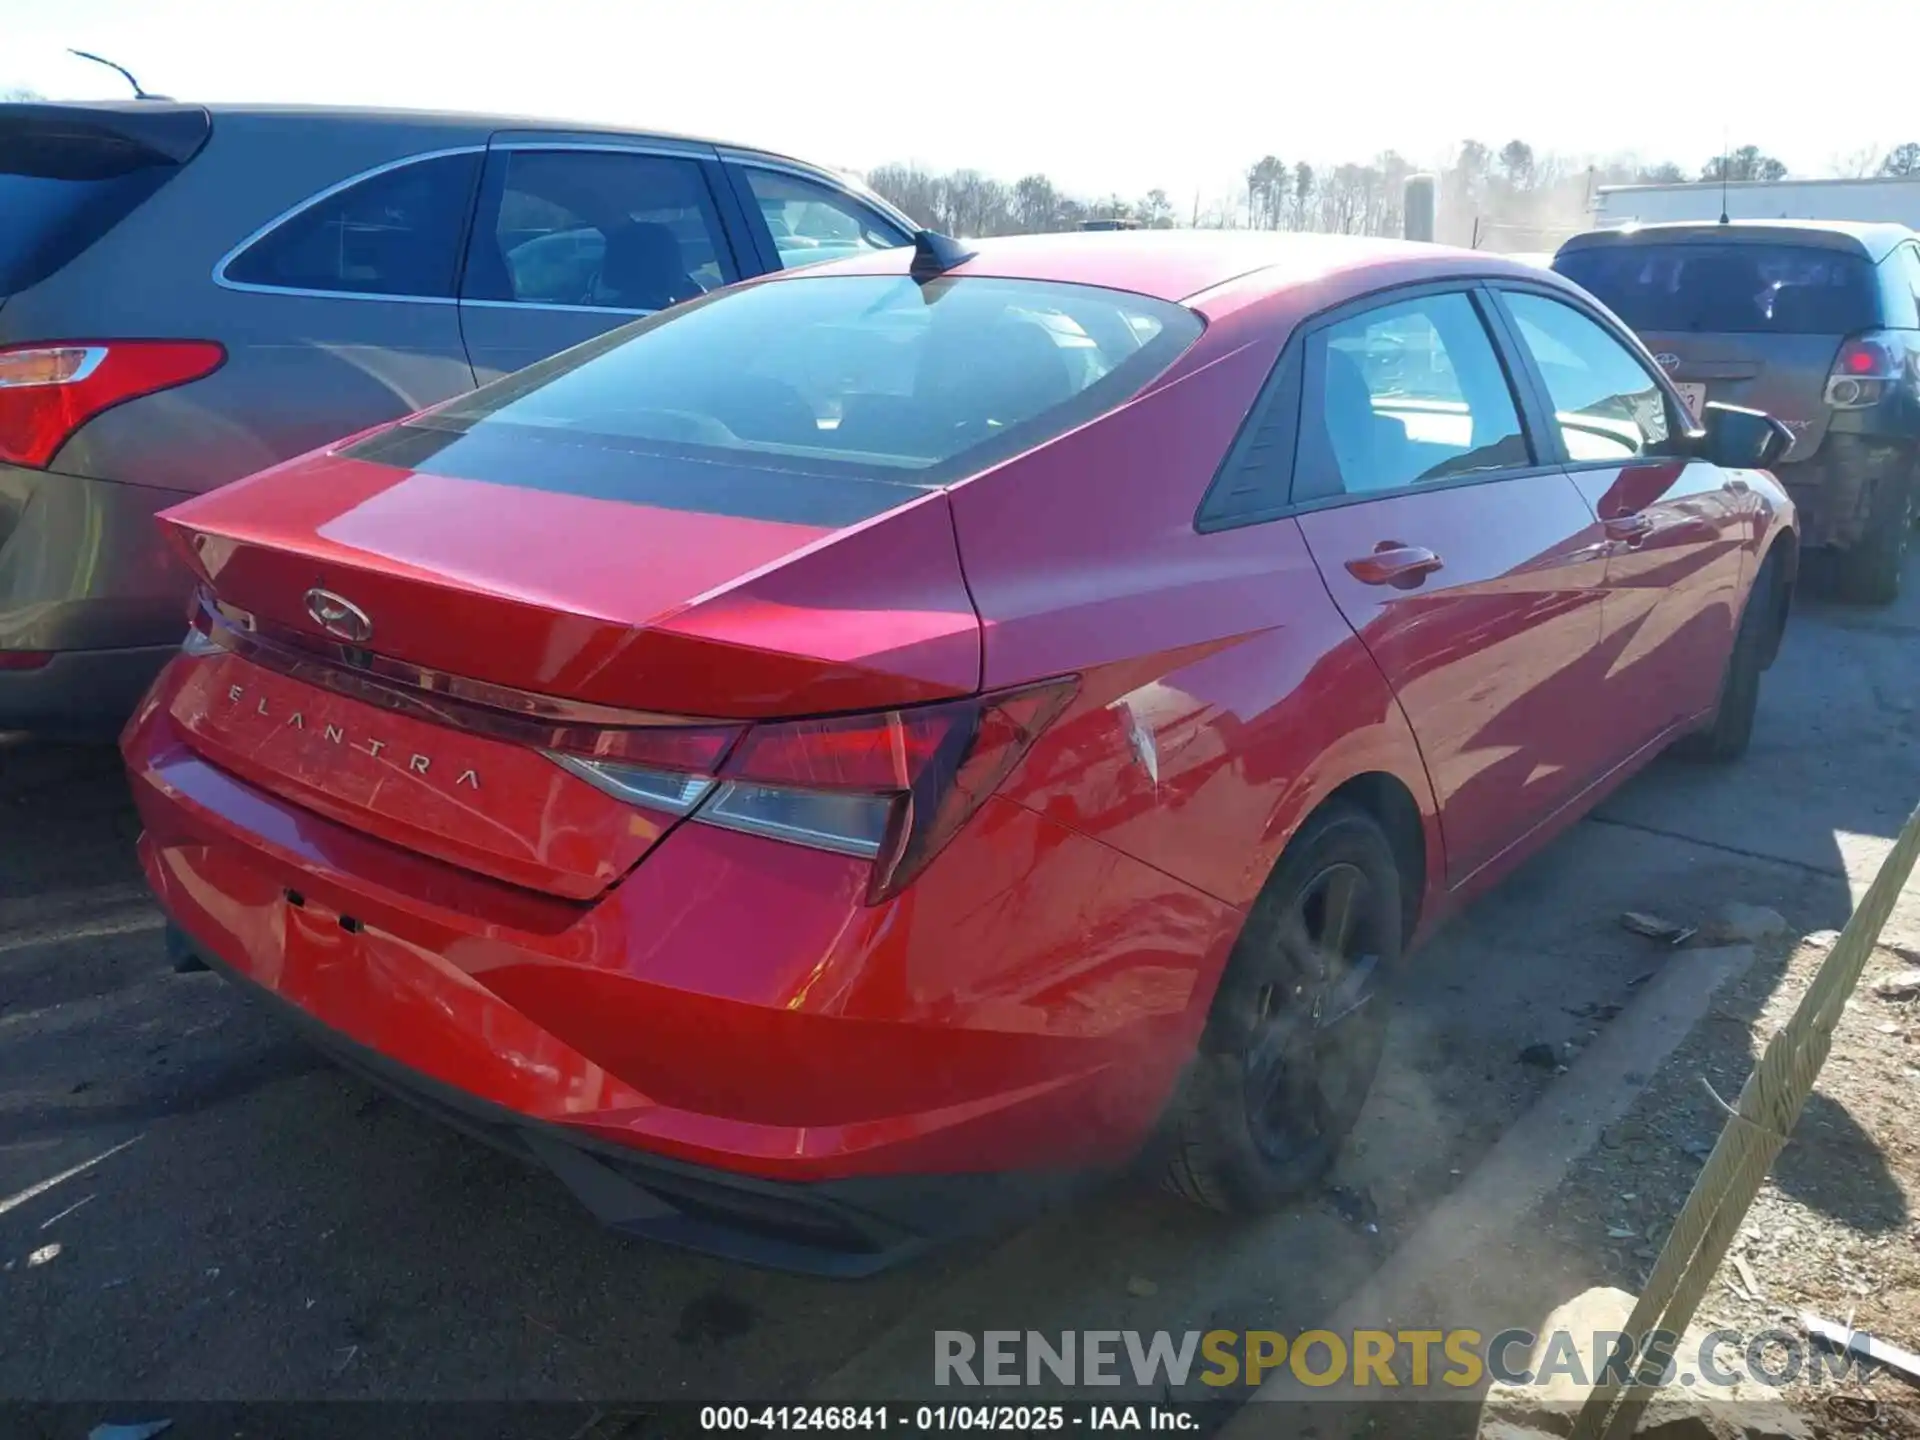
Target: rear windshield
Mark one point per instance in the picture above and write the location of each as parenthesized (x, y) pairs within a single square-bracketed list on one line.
[(1729, 289), (827, 386), (56, 199)]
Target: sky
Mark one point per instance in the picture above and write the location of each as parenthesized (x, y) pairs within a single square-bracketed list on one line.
[(1120, 97)]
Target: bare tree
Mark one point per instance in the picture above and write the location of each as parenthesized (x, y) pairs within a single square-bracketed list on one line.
[(1746, 163), (1857, 163), (1516, 160), (1036, 204), (1266, 192), (977, 205), (1902, 160), (1520, 197), (920, 194), (1155, 211), (1343, 199), (1303, 179), (20, 94), (1386, 191)]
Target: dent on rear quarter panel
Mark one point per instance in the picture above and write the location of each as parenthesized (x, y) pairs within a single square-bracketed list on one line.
[(1223, 696)]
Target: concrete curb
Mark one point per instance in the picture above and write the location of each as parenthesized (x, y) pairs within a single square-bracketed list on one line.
[(1525, 1165)]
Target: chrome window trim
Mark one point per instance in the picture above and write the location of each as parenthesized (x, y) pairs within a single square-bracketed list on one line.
[(294, 211), (744, 159)]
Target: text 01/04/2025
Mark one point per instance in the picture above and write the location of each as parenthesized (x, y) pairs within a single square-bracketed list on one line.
[(935, 1418)]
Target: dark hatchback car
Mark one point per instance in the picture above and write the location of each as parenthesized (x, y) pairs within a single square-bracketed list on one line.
[(1816, 323), (191, 293)]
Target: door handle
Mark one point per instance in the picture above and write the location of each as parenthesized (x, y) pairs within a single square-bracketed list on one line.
[(1630, 528), (1395, 564)]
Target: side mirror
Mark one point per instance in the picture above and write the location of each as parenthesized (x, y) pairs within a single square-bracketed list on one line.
[(1738, 439)]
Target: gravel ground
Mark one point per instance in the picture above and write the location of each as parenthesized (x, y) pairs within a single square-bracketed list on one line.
[(1836, 1227)]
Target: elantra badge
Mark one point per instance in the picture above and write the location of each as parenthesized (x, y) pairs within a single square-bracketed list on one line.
[(333, 734), (339, 616), (1666, 361)]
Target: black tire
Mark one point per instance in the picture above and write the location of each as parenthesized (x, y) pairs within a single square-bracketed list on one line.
[(181, 953), (1731, 732), (1870, 571), (1298, 1023)]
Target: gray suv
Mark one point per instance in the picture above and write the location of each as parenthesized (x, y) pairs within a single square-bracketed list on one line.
[(191, 293), (1815, 322)]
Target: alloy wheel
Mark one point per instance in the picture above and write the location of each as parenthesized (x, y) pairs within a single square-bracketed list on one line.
[(1315, 1040)]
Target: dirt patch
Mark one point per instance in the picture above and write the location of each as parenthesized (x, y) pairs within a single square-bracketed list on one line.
[(1833, 1230)]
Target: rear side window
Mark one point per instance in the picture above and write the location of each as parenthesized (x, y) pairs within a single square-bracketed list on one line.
[(394, 233), (1729, 289), (1407, 394), (811, 222), (1607, 406), (1255, 480), (595, 228), (65, 183), (801, 385)]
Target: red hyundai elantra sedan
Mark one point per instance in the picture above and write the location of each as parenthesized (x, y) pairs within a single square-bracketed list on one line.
[(828, 764)]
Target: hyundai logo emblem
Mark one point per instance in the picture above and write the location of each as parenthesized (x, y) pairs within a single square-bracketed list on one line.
[(1666, 362), (339, 616)]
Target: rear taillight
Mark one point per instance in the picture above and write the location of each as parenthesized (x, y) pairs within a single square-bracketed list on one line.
[(667, 767), (1865, 370), (47, 392), (892, 787)]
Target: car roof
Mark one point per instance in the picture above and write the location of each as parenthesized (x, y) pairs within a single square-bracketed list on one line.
[(1875, 240), (1181, 265), (375, 115)]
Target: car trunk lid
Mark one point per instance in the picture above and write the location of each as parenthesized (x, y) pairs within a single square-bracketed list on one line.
[(475, 626), (1784, 375), (607, 602)]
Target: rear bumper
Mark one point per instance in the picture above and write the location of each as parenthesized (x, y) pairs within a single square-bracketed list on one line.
[(85, 574), (1834, 489), (841, 1229), (735, 1043)]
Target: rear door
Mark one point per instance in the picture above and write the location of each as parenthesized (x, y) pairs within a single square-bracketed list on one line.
[(1467, 565), (574, 237), (1676, 529), (1756, 325)]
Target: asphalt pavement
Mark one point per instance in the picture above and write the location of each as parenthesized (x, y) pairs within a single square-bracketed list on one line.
[(193, 1205)]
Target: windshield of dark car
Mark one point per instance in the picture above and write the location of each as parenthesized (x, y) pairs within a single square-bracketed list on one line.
[(874, 376), (1730, 289)]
